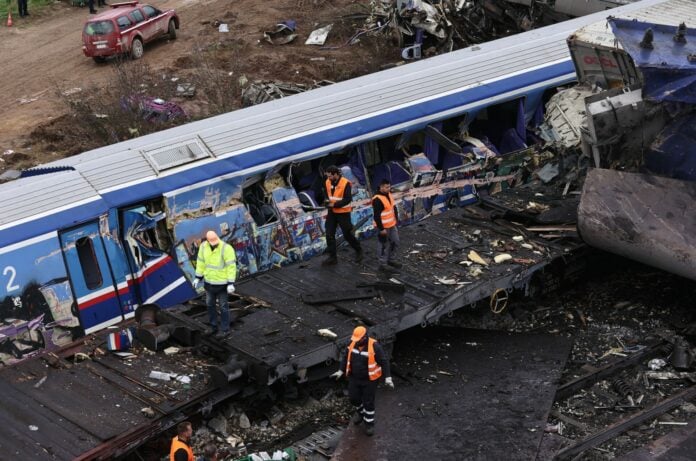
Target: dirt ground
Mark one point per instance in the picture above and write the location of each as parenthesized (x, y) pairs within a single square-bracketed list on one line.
[(42, 57)]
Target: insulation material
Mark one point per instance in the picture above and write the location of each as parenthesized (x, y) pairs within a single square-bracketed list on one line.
[(202, 200)]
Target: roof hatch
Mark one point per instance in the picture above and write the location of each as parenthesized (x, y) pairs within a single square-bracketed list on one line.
[(170, 156)]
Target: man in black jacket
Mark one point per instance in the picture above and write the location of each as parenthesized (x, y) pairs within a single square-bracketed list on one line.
[(363, 364), (386, 220), (338, 195)]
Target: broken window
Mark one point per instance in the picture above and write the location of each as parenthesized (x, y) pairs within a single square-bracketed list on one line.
[(388, 163), (501, 126), (145, 230), (308, 182), (258, 202), (88, 260)]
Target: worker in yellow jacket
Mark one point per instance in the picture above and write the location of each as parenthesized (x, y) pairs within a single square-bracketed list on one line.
[(217, 268)]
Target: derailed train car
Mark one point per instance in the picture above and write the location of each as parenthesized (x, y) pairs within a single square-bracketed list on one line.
[(638, 80), (87, 240)]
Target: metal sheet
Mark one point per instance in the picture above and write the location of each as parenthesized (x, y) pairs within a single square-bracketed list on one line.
[(642, 217), (470, 394)]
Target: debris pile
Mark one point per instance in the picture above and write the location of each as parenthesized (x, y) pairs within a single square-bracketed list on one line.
[(251, 427), (261, 91), (440, 27)]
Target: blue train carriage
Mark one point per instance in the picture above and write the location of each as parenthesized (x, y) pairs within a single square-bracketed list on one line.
[(77, 280), (108, 257), (58, 285), (275, 217), (88, 239)]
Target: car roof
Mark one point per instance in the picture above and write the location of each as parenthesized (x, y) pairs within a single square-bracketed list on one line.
[(115, 12)]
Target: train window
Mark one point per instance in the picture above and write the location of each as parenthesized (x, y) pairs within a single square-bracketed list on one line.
[(89, 263), (372, 156), (497, 124), (258, 204)]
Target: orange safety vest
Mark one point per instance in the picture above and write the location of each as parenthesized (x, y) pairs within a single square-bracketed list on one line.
[(178, 444), (388, 216), (373, 369), (338, 194)]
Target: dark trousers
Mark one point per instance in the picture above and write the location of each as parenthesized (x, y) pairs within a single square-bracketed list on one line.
[(22, 6), (218, 293), (90, 4), (387, 245), (362, 396), (333, 221)]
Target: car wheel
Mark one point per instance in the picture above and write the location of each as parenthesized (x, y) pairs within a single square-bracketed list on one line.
[(172, 30), (137, 49), (99, 59)]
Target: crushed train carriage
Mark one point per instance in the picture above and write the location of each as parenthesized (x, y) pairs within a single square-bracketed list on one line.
[(87, 240), (633, 115)]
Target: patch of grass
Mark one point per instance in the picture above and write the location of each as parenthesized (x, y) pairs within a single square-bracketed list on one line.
[(33, 6)]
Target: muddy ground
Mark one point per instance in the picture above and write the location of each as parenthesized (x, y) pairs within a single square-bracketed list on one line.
[(43, 68)]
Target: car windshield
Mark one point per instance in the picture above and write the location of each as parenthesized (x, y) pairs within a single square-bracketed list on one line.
[(99, 28)]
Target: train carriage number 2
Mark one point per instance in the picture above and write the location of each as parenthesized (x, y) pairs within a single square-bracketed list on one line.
[(10, 283)]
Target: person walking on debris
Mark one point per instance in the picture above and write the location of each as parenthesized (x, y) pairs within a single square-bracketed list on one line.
[(364, 363), (181, 443), (217, 267), (386, 219), (338, 197)]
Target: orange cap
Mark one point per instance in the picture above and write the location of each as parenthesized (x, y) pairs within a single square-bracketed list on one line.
[(358, 333)]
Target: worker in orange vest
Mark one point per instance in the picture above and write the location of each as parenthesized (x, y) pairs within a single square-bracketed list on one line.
[(181, 448), (363, 364), (386, 219), (338, 197)]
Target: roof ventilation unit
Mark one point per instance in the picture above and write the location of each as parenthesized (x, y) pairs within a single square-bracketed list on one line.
[(170, 156)]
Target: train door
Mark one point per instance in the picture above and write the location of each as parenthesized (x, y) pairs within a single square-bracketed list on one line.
[(91, 278), (156, 275)]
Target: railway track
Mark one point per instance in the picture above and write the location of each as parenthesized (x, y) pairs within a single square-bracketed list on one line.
[(622, 399)]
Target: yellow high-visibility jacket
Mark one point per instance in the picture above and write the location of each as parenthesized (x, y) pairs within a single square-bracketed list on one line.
[(217, 267)]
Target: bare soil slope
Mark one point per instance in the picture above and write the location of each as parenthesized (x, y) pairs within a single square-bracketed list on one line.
[(43, 55)]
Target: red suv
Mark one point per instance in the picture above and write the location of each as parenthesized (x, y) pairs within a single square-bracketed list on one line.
[(125, 28)]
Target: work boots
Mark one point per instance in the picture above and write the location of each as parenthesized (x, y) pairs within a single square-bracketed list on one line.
[(357, 418), (330, 261), (387, 269), (369, 429), (394, 264), (359, 255)]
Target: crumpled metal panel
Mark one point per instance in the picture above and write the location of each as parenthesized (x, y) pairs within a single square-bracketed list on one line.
[(565, 116), (642, 217)]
